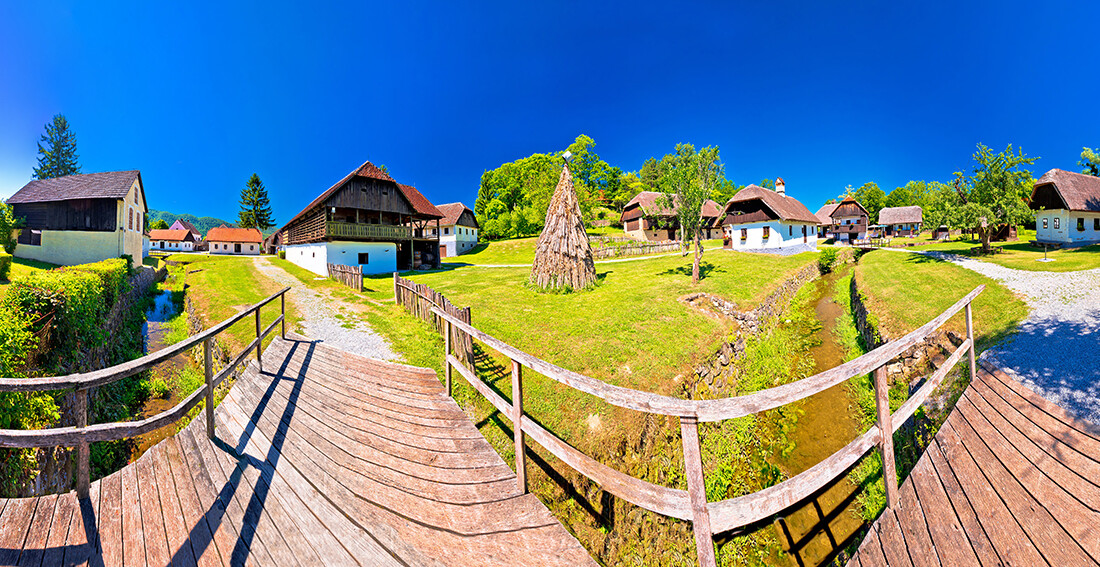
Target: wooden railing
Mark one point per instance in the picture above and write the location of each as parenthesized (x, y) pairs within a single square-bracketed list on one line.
[(709, 518), (419, 300), (82, 434), (355, 230), (351, 276), (636, 249)]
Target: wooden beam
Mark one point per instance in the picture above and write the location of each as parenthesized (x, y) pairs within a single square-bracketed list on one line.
[(886, 442), (697, 491), (517, 426)]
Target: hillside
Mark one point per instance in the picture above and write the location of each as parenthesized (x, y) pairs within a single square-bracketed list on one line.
[(204, 224)]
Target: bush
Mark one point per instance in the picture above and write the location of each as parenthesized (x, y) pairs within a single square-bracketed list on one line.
[(5, 266), (827, 260), (282, 254), (129, 263)]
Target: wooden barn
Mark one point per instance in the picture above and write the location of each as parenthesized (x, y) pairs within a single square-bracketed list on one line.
[(365, 220), (844, 221), (83, 218)]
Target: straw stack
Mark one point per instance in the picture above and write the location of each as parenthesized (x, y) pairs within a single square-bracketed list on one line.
[(563, 257)]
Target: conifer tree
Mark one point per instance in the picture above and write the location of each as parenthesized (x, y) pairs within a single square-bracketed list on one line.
[(58, 158), (255, 206)]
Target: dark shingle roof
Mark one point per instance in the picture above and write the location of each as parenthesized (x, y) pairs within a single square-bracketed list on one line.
[(1079, 191), (106, 185), (786, 208), (652, 202), (901, 215)]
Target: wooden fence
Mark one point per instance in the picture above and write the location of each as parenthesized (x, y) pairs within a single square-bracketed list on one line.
[(638, 249), (421, 301), (83, 434), (351, 276), (707, 517)]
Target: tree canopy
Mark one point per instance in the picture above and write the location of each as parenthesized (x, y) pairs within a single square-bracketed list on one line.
[(57, 157), (159, 224), (995, 194), (872, 198), (255, 206), (1090, 161), (692, 178)]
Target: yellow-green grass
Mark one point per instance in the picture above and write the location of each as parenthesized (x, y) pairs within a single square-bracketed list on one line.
[(221, 286), (516, 251), (20, 268), (1022, 255), (905, 291)]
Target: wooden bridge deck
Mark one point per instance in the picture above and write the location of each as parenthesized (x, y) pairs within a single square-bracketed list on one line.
[(1010, 479), (326, 458)]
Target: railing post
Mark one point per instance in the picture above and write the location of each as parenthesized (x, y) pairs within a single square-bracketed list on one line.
[(517, 426), (208, 370), (697, 491), (282, 310), (447, 355), (83, 466), (886, 441), (259, 343), (970, 335)]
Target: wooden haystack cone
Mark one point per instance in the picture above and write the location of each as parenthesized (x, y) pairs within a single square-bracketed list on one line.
[(563, 257)]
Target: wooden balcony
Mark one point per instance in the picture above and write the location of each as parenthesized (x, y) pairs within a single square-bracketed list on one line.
[(355, 231), (848, 228)]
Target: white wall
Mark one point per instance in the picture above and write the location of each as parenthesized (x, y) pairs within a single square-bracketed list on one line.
[(316, 257), (457, 239), (247, 248), (1066, 232), (72, 247), (172, 245), (780, 235)]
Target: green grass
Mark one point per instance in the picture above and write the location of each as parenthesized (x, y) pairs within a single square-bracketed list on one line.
[(21, 268), (522, 250), (905, 291), (1022, 255)]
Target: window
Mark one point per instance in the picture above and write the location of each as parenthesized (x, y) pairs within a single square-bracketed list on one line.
[(1044, 222), (131, 219), (790, 231), (1081, 224), (1056, 223), (251, 246), (446, 231), (1096, 224), (364, 258), (767, 232), (744, 234)]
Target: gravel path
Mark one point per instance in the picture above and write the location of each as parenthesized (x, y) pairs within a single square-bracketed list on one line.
[(1056, 349), (319, 319)]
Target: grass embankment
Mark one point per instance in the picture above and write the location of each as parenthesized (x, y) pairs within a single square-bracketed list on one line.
[(20, 268), (522, 251), (1022, 255), (901, 293)]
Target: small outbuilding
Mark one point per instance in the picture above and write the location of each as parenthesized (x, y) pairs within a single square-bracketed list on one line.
[(1067, 206), (901, 221), (457, 230), (761, 220), (647, 217), (227, 240), (173, 240)]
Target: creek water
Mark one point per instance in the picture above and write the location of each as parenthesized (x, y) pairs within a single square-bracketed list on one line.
[(155, 330), (813, 533)]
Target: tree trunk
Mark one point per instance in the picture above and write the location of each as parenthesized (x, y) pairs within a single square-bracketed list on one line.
[(986, 235), (698, 255)]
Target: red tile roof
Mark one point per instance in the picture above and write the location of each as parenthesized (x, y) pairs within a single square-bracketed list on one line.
[(106, 185), (170, 235), (452, 212), (226, 234), (419, 203)]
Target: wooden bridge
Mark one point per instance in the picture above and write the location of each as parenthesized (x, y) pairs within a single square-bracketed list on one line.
[(319, 456)]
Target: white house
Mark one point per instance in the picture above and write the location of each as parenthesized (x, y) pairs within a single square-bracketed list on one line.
[(171, 240), (84, 218), (1068, 208), (368, 220), (196, 235), (225, 240), (901, 221), (457, 230), (761, 220)]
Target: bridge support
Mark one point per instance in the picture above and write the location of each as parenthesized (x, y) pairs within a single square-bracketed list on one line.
[(886, 441), (517, 426), (697, 490)]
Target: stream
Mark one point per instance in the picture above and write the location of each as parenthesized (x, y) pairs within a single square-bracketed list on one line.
[(155, 330), (826, 523)]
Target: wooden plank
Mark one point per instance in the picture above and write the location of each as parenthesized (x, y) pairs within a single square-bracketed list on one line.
[(914, 520), (13, 530), (870, 550), (133, 533), (946, 531), (892, 540), (886, 440), (175, 526), (998, 522), (697, 492), (38, 530), (152, 518), (110, 519), (1079, 522), (203, 511), (973, 531), (59, 529), (83, 540)]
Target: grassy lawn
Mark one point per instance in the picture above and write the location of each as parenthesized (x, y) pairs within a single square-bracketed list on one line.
[(20, 268), (518, 251), (904, 291), (1023, 256)]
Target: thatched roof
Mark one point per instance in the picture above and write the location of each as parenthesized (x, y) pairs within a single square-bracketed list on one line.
[(563, 257), (1061, 189), (901, 215), (786, 208), (825, 213)]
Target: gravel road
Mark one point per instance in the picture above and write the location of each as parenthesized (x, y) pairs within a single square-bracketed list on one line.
[(319, 319), (1056, 349)]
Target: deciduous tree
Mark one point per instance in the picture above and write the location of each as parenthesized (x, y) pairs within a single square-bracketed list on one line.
[(693, 178), (255, 206), (872, 198), (1090, 161), (8, 225), (995, 194), (159, 224), (57, 150)]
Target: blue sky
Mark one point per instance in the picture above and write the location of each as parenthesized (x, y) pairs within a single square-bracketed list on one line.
[(825, 94)]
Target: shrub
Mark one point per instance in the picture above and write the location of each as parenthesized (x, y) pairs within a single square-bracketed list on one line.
[(827, 260), (5, 266), (129, 263), (282, 254)]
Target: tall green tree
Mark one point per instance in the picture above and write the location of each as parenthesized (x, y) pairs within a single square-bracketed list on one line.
[(693, 177), (255, 206), (57, 150), (995, 194), (159, 224), (872, 198), (939, 204), (1090, 161)]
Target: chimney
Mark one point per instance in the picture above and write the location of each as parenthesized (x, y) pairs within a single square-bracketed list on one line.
[(780, 186)]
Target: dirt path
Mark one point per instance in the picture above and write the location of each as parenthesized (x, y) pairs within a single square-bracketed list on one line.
[(322, 318)]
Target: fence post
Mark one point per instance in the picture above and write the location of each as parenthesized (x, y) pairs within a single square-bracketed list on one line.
[(517, 426), (83, 467), (697, 491), (395, 288), (970, 335), (886, 442), (208, 370), (447, 355), (259, 343), (282, 310)]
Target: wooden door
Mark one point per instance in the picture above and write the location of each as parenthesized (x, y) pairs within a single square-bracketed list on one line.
[(237, 248)]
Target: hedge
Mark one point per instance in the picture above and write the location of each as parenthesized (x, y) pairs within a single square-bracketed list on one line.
[(5, 266)]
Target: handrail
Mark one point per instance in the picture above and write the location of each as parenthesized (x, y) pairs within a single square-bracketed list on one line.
[(82, 434), (732, 513)]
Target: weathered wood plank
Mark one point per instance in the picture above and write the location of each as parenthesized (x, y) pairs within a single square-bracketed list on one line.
[(83, 540), (38, 530), (202, 510), (59, 529), (870, 550), (152, 518), (133, 533), (944, 527), (913, 520), (13, 533), (175, 526), (892, 540), (968, 517), (110, 519)]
